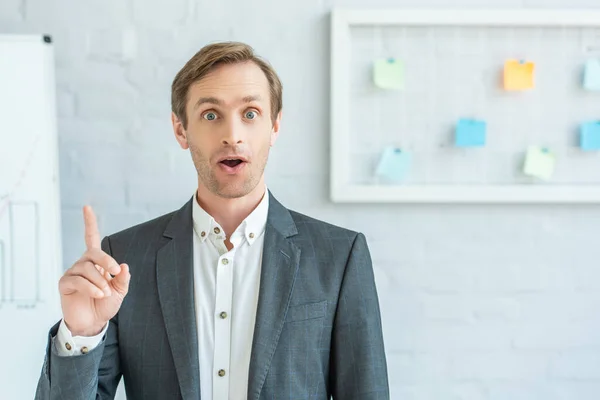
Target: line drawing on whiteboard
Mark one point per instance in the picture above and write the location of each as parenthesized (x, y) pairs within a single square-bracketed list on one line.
[(20, 254), (2, 271), (19, 241)]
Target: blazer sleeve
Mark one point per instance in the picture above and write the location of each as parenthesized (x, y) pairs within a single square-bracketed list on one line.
[(86, 376), (358, 362)]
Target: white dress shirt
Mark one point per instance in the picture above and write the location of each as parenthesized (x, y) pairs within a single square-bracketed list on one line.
[(226, 286)]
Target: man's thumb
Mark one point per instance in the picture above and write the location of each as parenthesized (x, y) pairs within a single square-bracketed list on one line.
[(121, 280)]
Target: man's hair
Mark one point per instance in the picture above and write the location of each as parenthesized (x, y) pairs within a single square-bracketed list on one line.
[(208, 58)]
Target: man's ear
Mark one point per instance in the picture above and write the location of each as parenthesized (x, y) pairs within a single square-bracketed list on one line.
[(179, 131), (275, 129)]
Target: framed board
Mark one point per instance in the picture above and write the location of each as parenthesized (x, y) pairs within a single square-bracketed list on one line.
[(454, 65)]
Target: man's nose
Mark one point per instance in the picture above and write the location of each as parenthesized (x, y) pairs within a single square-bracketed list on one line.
[(233, 132)]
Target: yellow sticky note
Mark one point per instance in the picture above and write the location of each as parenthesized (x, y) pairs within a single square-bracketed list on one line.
[(539, 163), (518, 75), (388, 74)]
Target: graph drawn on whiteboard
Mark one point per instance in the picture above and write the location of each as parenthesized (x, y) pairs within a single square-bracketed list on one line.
[(20, 269), (19, 254)]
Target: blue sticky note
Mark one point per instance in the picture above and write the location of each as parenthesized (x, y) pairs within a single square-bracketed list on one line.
[(394, 164), (590, 136), (591, 75), (470, 133)]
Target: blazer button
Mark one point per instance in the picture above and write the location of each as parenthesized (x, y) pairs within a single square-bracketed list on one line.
[(68, 346), (217, 231), (84, 350), (221, 372), (223, 315)]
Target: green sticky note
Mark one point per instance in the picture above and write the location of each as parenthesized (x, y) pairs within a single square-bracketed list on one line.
[(388, 74), (539, 163)]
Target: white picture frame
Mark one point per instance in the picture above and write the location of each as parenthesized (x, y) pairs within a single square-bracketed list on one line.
[(342, 191)]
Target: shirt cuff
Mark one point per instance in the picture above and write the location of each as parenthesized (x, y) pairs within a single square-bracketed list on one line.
[(68, 345)]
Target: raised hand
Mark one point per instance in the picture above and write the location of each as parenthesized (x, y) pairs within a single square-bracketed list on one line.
[(89, 295)]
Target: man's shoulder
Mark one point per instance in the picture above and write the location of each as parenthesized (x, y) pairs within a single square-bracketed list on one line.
[(314, 226), (151, 229)]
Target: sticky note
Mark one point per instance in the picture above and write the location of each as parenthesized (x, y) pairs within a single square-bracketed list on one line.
[(388, 74), (590, 136), (470, 133), (539, 163), (394, 164), (591, 75), (518, 75)]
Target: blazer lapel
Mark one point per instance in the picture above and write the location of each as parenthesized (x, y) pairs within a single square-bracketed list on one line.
[(279, 269), (175, 279)]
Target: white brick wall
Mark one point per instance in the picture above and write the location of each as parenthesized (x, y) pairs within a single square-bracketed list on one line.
[(479, 303)]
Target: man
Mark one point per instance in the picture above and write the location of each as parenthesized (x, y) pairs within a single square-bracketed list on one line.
[(233, 296)]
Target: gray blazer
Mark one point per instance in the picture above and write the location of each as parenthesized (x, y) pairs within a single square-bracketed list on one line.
[(318, 326)]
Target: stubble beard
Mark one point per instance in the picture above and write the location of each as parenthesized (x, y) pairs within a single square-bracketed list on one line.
[(235, 187)]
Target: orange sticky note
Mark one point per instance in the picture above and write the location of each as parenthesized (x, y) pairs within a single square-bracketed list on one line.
[(518, 75)]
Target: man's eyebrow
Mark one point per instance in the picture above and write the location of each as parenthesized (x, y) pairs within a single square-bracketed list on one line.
[(211, 100), (249, 99), (218, 102)]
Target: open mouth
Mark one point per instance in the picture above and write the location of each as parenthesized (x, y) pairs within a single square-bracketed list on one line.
[(232, 163), (232, 166)]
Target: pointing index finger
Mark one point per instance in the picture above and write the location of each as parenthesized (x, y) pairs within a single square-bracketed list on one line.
[(92, 236)]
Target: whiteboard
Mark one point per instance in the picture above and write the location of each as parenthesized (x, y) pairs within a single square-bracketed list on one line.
[(453, 63), (30, 232)]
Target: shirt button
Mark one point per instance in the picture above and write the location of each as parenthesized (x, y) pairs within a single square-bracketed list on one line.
[(68, 346), (221, 372), (223, 315), (203, 234), (84, 350), (251, 235), (225, 261), (217, 231)]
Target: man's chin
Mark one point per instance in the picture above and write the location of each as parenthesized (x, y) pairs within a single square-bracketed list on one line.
[(234, 191)]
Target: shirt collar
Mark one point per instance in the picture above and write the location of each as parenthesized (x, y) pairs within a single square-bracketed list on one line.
[(251, 228)]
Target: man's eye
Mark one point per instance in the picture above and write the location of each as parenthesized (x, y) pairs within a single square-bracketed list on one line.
[(211, 116), (251, 114)]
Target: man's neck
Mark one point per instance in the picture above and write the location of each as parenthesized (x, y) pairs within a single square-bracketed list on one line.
[(229, 213)]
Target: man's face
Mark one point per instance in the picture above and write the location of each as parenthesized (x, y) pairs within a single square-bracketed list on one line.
[(230, 130)]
